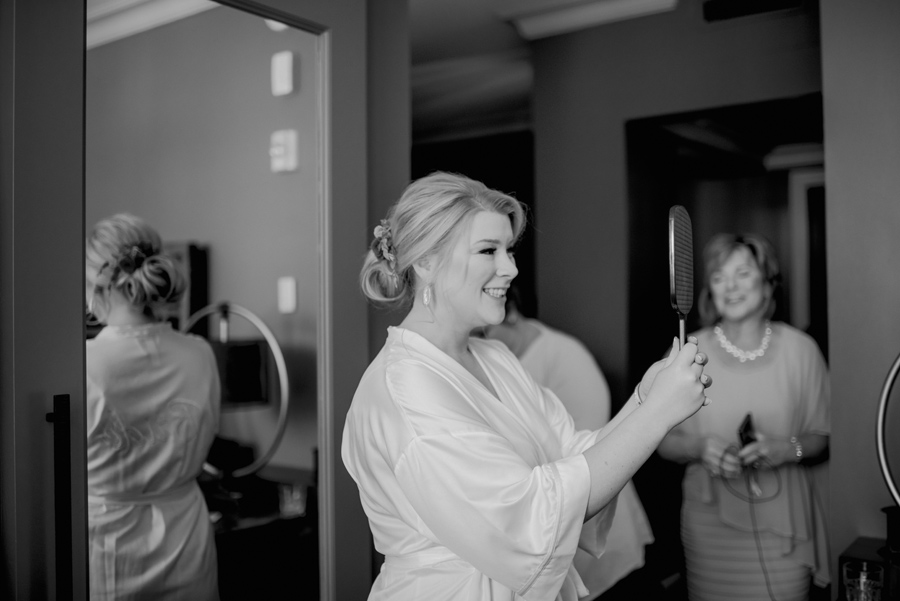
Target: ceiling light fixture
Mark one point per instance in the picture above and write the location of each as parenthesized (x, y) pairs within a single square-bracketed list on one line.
[(535, 19)]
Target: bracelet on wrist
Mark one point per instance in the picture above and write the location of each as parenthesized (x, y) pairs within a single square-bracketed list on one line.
[(637, 393)]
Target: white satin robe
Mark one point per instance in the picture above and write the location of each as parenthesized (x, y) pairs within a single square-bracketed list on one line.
[(469, 497), (152, 412)]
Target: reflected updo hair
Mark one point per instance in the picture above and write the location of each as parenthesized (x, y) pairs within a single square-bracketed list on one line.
[(123, 253), (424, 223), (719, 248)]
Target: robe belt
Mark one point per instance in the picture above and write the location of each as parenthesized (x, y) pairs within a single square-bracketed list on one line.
[(421, 558), (146, 498)]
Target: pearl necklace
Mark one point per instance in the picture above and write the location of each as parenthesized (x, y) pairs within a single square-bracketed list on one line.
[(744, 356)]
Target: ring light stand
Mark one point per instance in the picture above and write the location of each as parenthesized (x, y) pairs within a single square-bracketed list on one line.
[(224, 310), (882, 426), (893, 538)]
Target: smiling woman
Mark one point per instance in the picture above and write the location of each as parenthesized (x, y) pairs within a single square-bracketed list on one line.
[(745, 484), (447, 429)]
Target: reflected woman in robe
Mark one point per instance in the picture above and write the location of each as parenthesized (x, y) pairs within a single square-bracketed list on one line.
[(152, 412)]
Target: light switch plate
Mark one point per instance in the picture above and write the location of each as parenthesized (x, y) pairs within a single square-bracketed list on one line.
[(283, 150)]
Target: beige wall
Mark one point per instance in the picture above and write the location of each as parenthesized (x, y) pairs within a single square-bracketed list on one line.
[(178, 120), (587, 85), (391, 131), (861, 89)]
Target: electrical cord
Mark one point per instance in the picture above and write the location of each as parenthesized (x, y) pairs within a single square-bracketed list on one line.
[(750, 497), (752, 500)]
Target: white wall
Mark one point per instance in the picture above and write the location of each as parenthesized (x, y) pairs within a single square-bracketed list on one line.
[(861, 90), (179, 120)]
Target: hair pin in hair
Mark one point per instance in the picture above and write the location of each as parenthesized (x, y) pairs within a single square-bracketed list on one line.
[(384, 245), (132, 259)]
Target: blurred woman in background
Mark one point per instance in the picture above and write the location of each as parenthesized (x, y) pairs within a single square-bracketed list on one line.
[(752, 520), (564, 365), (152, 412)]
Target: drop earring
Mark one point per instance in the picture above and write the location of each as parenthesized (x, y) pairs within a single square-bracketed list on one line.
[(426, 296)]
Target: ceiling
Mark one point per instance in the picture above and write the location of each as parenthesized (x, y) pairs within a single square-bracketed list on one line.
[(471, 63), (471, 70)]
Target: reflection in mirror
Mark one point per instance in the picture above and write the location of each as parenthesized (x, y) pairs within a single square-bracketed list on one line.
[(206, 128)]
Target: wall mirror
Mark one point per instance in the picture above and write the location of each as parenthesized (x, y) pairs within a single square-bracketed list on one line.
[(207, 123)]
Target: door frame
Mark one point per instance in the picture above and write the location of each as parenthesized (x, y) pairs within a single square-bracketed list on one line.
[(42, 45), (42, 298)]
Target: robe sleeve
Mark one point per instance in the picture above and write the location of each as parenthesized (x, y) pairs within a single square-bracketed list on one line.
[(474, 494), (594, 532)]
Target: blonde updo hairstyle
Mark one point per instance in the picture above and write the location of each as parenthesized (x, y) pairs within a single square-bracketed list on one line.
[(124, 254), (719, 248), (424, 223)]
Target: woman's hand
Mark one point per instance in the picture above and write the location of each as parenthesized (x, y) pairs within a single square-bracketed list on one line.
[(720, 459), (678, 385), (766, 453), (650, 375)]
